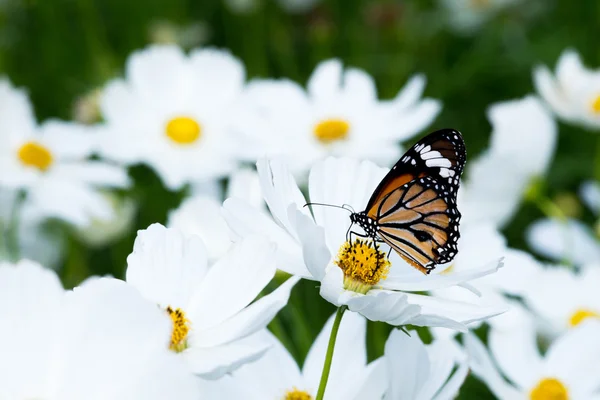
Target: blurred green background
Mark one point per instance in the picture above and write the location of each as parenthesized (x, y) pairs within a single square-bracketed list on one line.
[(61, 50)]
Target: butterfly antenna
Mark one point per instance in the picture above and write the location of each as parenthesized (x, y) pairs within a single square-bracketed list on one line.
[(328, 205)]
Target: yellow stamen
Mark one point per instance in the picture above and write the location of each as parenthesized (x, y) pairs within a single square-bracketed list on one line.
[(33, 154), (364, 265), (549, 389), (581, 315), (331, 130), (296, 394), (183, 130), (181, 327), (596, 105)]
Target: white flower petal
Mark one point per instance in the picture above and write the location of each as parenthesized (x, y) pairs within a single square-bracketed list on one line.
[(324, 83), (215, 361), (233, 282), (30, 300), (314, 250), (272, 374), (439, 281), (390, 307), (564, 241), (410, 93), (245, 220), (515, 350), (575, 357), (248, 321), (165, 266), (551, 92), (484, 368), (590, 194), (280, 190), (408, 365)]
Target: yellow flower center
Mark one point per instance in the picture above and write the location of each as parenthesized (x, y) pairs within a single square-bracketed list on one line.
[(181, 327), (296, 394), (596, 105), (581, 315), (549, 389), (35, 155), (331, 130), (183, 130), (364, 265)]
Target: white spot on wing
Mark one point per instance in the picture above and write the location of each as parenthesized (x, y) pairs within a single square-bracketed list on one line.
[(439, 162)]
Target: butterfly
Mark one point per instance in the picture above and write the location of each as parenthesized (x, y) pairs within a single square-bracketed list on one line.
[(413, 209)]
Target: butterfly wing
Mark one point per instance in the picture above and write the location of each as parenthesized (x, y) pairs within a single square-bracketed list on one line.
[(440, 154), (415, 204), (420, 221)]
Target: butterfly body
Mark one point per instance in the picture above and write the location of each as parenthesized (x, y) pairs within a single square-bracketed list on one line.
[(414, 209)]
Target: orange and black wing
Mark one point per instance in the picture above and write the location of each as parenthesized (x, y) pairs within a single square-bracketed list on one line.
[(415, 204), (420, 221), (441, 155)]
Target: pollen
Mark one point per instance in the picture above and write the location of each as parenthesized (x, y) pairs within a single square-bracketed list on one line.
[(296, 394), (596, 105), (549, 389), (183, 130), (33, 154), (581, 315), (181, 327), (331, 130), (364, 265)]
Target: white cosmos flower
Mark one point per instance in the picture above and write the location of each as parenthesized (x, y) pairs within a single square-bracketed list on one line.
[(309, 247), (483, 242), (573, 92), (578, 300), (276, 375), (568, 370), (50, 163), (214, 325), (74, 343), (339, 114), (568, 241), (36, 238), (423, 372), (173, 113), (521, 148), (200, 214)]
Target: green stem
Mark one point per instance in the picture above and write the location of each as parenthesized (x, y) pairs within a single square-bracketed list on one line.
[(329, 354)]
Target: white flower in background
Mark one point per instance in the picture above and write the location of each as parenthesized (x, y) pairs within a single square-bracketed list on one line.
[(339, 114), (568, 370), (102, 232), (577, 302), (423, 372), (50, 163), (173, 112), (276, 375), (317, 249), (36, 238), (215, 328), (568, 241), (200, 214), (469, 15), (76, 342), (590, 195), (521, 148), (480, 243), (573, 92)]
